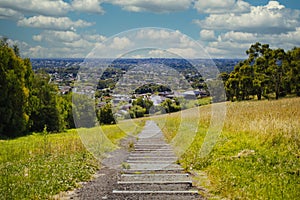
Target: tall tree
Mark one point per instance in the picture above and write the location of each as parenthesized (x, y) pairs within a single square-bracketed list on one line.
[(15, 80), (46, 107), (294, 73)]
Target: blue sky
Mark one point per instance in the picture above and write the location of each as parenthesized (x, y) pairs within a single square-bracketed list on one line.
[(225, 28)]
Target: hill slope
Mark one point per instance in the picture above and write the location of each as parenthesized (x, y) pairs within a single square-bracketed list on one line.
[(257, 156)]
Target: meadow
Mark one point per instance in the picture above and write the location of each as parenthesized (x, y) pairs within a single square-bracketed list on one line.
[(42, 165), (257, 155)]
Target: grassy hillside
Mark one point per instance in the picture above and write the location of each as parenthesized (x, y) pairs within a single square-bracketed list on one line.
[(41, 165), (257, 156)]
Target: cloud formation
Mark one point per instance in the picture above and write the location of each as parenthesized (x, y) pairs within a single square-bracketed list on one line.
[(155, 6), (271, 18), (67, 43), (54, 23), (42, 7), (222, 6), (89, 6), (7, 13), (226, 27)]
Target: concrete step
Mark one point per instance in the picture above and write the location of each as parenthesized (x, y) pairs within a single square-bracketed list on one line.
[(157, 182), (154, 166), (152, 154), (143, 171), (152, 171), (153, 150), (141, 158), (155, 186), (155, 177), (151, 161), (154, 195)]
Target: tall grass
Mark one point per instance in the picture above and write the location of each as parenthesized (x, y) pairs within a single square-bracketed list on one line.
[(257, 155), (42, 165)]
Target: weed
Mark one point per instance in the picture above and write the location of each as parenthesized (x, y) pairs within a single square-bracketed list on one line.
[(125, 165)]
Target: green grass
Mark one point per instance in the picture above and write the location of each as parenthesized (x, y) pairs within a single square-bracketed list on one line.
[(257, 156), (42, 165)]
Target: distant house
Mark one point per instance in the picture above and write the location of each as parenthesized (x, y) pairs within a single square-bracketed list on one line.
[(157, 99)]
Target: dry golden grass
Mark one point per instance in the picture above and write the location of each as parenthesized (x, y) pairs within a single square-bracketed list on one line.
[(257, 154)]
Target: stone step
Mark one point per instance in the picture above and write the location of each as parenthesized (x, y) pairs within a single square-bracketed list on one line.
[(154, 150), (155, 177), (143, 171), (151, 154), (155, 192), (152, 171), (154, 195), (152, 144), (152, 158), (151, 161), (154, 166), (156, 186), (157, 182)]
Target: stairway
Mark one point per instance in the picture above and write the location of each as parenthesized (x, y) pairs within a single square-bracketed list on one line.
[(151, 171)]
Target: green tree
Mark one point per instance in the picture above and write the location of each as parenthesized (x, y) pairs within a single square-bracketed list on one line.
[(266, 72), (144, 103), (105, 114), (84, 112), (14, 89), (294, 72), (137, 111), (46, 106), (171, 105)]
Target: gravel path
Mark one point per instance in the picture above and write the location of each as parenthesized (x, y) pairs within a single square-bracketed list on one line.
[(148, 172)]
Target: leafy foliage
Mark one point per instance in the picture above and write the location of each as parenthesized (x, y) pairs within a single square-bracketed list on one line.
[(105, 115), (28, 102), (15, 81), (266, 73), (152, 88)]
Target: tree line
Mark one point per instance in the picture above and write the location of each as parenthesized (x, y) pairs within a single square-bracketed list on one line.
[(266, 73), (28, 102)]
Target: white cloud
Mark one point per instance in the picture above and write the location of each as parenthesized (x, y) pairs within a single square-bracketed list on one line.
[(7, 13), (156, 6), (120, 43), (272, 18), (90, 6), (234, 44), (184, 52), (57, 36), (94, 37), (222, 6), (63, 44), (43, 7), (207, 35), (238, 37), (59, 23), (37, 38), (159, 36), (149, 42)]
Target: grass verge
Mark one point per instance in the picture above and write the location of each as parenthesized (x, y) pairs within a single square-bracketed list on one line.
[(42, 165), (257, 155)]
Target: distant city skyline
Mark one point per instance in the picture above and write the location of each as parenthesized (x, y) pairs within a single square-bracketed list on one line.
[(71, 28)]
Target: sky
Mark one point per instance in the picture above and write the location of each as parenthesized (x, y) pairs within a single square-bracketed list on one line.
[(72, 28)]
